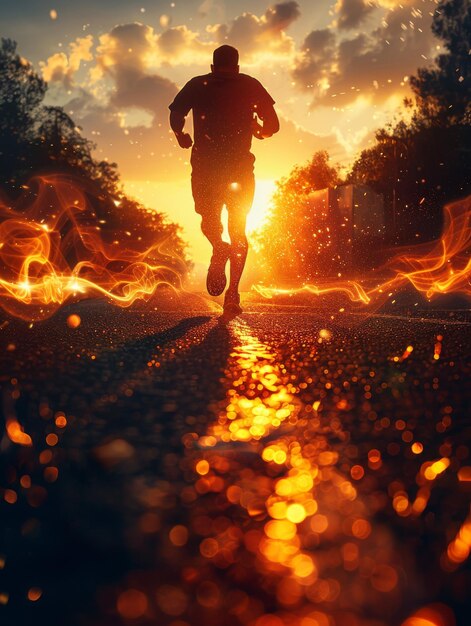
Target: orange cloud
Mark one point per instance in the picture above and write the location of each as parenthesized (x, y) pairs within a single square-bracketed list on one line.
[(61, 68), (258, 36)]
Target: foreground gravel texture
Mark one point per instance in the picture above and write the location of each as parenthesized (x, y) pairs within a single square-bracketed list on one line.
[(288, 467)]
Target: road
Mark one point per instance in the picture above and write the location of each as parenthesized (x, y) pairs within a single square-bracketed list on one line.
[(286, 468)]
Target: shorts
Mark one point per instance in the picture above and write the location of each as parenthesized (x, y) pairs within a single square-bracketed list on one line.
[(215, 184)]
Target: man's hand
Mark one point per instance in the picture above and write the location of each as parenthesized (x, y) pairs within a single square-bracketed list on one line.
[(270, 125), (184, 140), (257, 129)]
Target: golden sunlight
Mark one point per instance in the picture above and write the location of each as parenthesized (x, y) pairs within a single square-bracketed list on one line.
[(264, 190)]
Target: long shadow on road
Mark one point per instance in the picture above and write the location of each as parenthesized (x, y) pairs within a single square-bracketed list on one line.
[(126, 414)]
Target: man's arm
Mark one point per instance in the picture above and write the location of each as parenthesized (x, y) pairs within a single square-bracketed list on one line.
[(177, 123), (270, 126)]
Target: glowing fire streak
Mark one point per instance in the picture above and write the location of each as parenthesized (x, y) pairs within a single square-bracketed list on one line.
[(54, 250), (444, 266)]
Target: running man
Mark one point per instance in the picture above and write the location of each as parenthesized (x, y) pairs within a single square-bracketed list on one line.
[(227, 110)]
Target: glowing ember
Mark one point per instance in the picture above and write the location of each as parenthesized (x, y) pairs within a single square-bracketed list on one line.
[(132, 604), (16, 433), (431, 615), (73, 321), (34, 594)]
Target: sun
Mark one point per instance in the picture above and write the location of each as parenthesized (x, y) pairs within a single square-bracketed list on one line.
[(264, 190)]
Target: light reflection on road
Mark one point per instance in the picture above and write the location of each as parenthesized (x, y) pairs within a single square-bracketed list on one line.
[(309, 532)]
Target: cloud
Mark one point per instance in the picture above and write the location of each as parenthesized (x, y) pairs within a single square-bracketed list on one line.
[(126, 47), (130, 54), (352, 12), (282, 15), (396, 4), (62, 68), (134, 49), (256, 37), (123, 103), (375, 65), (140, 46), (126, 56), (315, 61), (181, 46)]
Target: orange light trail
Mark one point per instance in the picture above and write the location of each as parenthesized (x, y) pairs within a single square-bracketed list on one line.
[(53, 250), (439, 267)]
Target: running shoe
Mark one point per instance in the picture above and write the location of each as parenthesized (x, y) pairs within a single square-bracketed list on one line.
[(232, 306)]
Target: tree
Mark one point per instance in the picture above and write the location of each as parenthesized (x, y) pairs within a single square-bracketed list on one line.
[(21, 91), (421, 166), (21, 94), (35, 138), (60, 141), (443, 92), (290, 245)]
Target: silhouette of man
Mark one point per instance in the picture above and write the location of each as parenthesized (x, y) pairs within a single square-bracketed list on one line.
[(227, 107)]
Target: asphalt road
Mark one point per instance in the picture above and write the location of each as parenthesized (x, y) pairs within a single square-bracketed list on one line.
[(285, 468)]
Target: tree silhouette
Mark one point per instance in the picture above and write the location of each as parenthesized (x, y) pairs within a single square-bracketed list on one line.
[(420, 166), (443, 92), (291, 245), (21, 94)]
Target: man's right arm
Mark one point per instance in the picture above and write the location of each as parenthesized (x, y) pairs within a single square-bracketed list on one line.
[(177, 122), (179, 109)]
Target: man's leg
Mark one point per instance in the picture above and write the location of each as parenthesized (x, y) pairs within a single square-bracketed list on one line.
[(216, 278), (208, 203), (240, 246), (211, 227), (239, 204)]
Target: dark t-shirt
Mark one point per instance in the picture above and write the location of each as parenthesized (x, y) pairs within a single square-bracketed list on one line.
[(223, 110)]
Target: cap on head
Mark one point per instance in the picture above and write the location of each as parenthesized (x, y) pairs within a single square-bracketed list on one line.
[(226, 57)]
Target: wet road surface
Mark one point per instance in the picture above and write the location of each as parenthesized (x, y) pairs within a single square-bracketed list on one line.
[(281, 469)]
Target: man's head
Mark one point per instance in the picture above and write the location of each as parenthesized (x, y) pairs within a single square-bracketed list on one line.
[(225, 60)]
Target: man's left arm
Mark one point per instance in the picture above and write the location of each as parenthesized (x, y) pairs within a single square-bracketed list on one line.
[(177, 122), (265, 112), (271, 123)]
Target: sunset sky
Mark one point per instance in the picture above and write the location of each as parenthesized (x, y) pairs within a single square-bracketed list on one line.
[(336, 69)]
